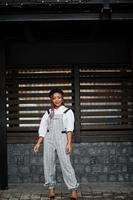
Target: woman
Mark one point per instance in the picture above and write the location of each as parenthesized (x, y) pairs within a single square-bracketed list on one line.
[(55, 131)]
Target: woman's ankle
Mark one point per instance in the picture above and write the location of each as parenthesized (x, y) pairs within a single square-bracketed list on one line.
[(51, 192), (74, 194)]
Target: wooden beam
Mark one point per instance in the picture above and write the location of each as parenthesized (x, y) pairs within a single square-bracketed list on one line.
[(132, 70), (3, 134), (77, 103)]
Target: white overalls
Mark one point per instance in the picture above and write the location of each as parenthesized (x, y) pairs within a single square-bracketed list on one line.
[(56, 140)]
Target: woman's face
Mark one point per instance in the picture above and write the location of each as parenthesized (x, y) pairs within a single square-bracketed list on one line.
[(57, 99)]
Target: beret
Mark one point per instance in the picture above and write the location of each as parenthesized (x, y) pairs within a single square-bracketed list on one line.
[(54, 90)]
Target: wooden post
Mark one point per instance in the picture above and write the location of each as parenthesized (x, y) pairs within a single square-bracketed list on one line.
[(132, 71), (3, 134), (77, 103)]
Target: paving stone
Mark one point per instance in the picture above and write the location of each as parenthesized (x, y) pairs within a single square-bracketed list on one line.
[(119, 197), (35, 196), (1, 198), (25, 197), (98, 197), (13, 198), (16, 195), (112, 191), (129, 198), (5, 195), (88, 196), (107, 195), (44, 195)]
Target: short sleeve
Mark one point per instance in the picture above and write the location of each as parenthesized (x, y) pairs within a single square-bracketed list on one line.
[(70, 121), (43, 125)]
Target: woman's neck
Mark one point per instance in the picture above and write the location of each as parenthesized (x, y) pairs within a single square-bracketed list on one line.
[(57, 107)]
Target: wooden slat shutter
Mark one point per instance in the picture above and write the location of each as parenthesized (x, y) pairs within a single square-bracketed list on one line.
[(27, 98), (106, 102), (105, 94)]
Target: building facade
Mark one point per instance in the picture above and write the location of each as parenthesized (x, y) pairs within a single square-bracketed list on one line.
[(86, 48)]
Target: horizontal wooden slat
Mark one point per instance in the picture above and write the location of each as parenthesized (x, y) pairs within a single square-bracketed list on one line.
[(107, 138), (44, 75), (22, 140), (106, 127), (22, 129), (105, 106), (84, 133), (105, 120), (85, 66), (105, 132), (30, 108), (104, 80), (27, 130), (105, 74), (110, 93), (83, 86), (106, 87), (46, 67), (106, 99), (42, 80), (31, 94), (91, 138), (24, 115), (91, 121), (30, 121), (105, 66), (107, 113), (30, 101), (26, 87), (41, 74), (23, 134)]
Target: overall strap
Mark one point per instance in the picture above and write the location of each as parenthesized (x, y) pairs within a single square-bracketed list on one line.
[(63, 112), (48, 111), (66, 110)]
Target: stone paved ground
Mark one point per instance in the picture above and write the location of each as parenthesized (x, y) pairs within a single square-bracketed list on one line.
[(91, 191)]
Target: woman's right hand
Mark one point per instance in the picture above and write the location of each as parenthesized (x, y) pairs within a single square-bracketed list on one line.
[(37, 148), (38, 144)]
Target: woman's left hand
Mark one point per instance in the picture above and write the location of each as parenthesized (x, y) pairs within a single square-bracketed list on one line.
[(68, 148)]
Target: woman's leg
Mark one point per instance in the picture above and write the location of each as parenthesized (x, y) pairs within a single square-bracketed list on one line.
[(49, 164), (66, 167)]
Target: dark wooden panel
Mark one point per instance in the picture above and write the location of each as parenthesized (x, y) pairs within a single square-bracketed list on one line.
[(85, 50)]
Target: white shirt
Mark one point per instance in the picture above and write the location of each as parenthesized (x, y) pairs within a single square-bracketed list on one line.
[(68, 120)]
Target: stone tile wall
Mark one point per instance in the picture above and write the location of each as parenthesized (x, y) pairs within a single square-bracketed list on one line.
[(93, 162)]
